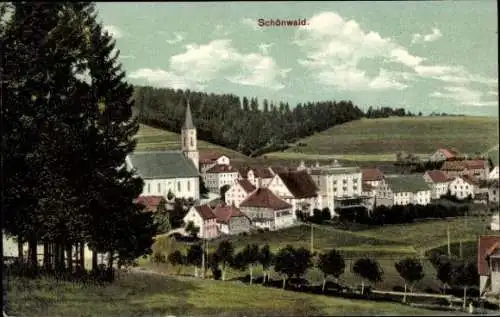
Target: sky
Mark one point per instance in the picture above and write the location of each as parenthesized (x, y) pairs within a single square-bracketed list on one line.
[(436, 56)]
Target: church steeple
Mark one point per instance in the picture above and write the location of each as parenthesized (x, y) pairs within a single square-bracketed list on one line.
[(189, 138), (188, 123)]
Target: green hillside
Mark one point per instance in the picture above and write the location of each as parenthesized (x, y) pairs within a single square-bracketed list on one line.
[(153, 139), (380, 139)]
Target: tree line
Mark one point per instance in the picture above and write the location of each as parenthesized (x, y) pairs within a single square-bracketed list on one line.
[(67, 127), (292, 265), (398, 214), (243, 124), (386, 112)]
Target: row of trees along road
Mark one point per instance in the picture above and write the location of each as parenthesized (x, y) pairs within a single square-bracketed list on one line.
[(292, 262), (67, 127)]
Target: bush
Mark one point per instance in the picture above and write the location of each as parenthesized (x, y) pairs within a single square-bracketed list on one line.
[(216, 273)]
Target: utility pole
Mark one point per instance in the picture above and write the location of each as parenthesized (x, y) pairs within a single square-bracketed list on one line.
[(448, 234), (312, 238), (203, 259), (460, 249)]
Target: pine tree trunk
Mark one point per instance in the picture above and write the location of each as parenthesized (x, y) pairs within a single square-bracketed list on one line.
[(82, 255), (94, 261), (69, 254), (362, 287), (33, 261), (195, 271), (46, 255), (284, 282), (20, 251), (224, 272), (324, 284), (110, 260)]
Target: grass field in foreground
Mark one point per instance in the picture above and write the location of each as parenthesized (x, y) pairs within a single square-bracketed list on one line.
[(366, 139), (148, 295)]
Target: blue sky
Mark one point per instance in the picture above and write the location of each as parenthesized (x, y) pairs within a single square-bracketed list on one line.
[(424, 56)]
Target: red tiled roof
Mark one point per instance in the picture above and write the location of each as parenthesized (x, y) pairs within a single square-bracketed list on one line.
[(485, 247), (262, 172), (207, 157), (366, 187), (371, 174), (449, 154), (205, 212), (220, 168), (244, 171), (246, 185), (224, 213), (299, 183), (471, 180), (475, 164), (438, 176), (150, 202), (453, 166), (264, 198)]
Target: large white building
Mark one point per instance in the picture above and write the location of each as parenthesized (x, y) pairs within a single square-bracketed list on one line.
[(403, 190), (438, 181), (171, 171), (463, 187), (218, 176), (338, 186)]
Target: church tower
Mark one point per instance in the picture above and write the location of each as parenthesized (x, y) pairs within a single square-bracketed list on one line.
[(188, 138)]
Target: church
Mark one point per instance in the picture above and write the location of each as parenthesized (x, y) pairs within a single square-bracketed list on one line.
[(175, 172)]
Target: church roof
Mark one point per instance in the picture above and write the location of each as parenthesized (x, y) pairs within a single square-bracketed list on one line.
[(162, 165), (188, 123)]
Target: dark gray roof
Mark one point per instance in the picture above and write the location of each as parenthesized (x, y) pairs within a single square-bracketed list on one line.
[(188, 123), (407, 183), (161, 165)]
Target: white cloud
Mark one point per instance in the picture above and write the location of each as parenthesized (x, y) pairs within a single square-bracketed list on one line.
[(200, 64), (113, 30), (251, 23), (264, 48), (419, 38), (220, 30), (334, 48), (178, 38), (464, 96)]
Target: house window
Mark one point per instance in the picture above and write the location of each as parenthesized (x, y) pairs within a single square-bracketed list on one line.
[(149, 188), (178, 186), (189, 185), (159, 187), (192, 141)]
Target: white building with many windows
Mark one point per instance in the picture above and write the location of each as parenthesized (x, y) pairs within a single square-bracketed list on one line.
[(404, 190), (438, 181), (338, 186), (463, 187), (218, 176), (238, 191)]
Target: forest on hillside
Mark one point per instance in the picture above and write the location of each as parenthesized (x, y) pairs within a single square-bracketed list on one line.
[(249, 126)]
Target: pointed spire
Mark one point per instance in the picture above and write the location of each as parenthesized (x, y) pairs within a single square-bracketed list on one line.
[(188, 123)]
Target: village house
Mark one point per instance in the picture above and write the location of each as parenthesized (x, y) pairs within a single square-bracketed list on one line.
[(488, 264), (444, 155), (475, 168), (493, 191), (404, 190), (297, 189), (218, 176), (230, 220), (369, 192), (151, 203), (495, 222), (208, 159), (174, 171), (463, 187), (338, 186), (372, 176), (438, 182), (203, 217), (238, 191), (493, 175), (258, 176), (266, 210)]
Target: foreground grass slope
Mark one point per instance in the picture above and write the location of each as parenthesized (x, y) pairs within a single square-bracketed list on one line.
[(141, 294), (153, 139), (380, 139)]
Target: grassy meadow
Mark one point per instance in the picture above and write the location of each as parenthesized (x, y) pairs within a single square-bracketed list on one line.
[(142, 294), (380, 139), (386, 244)]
